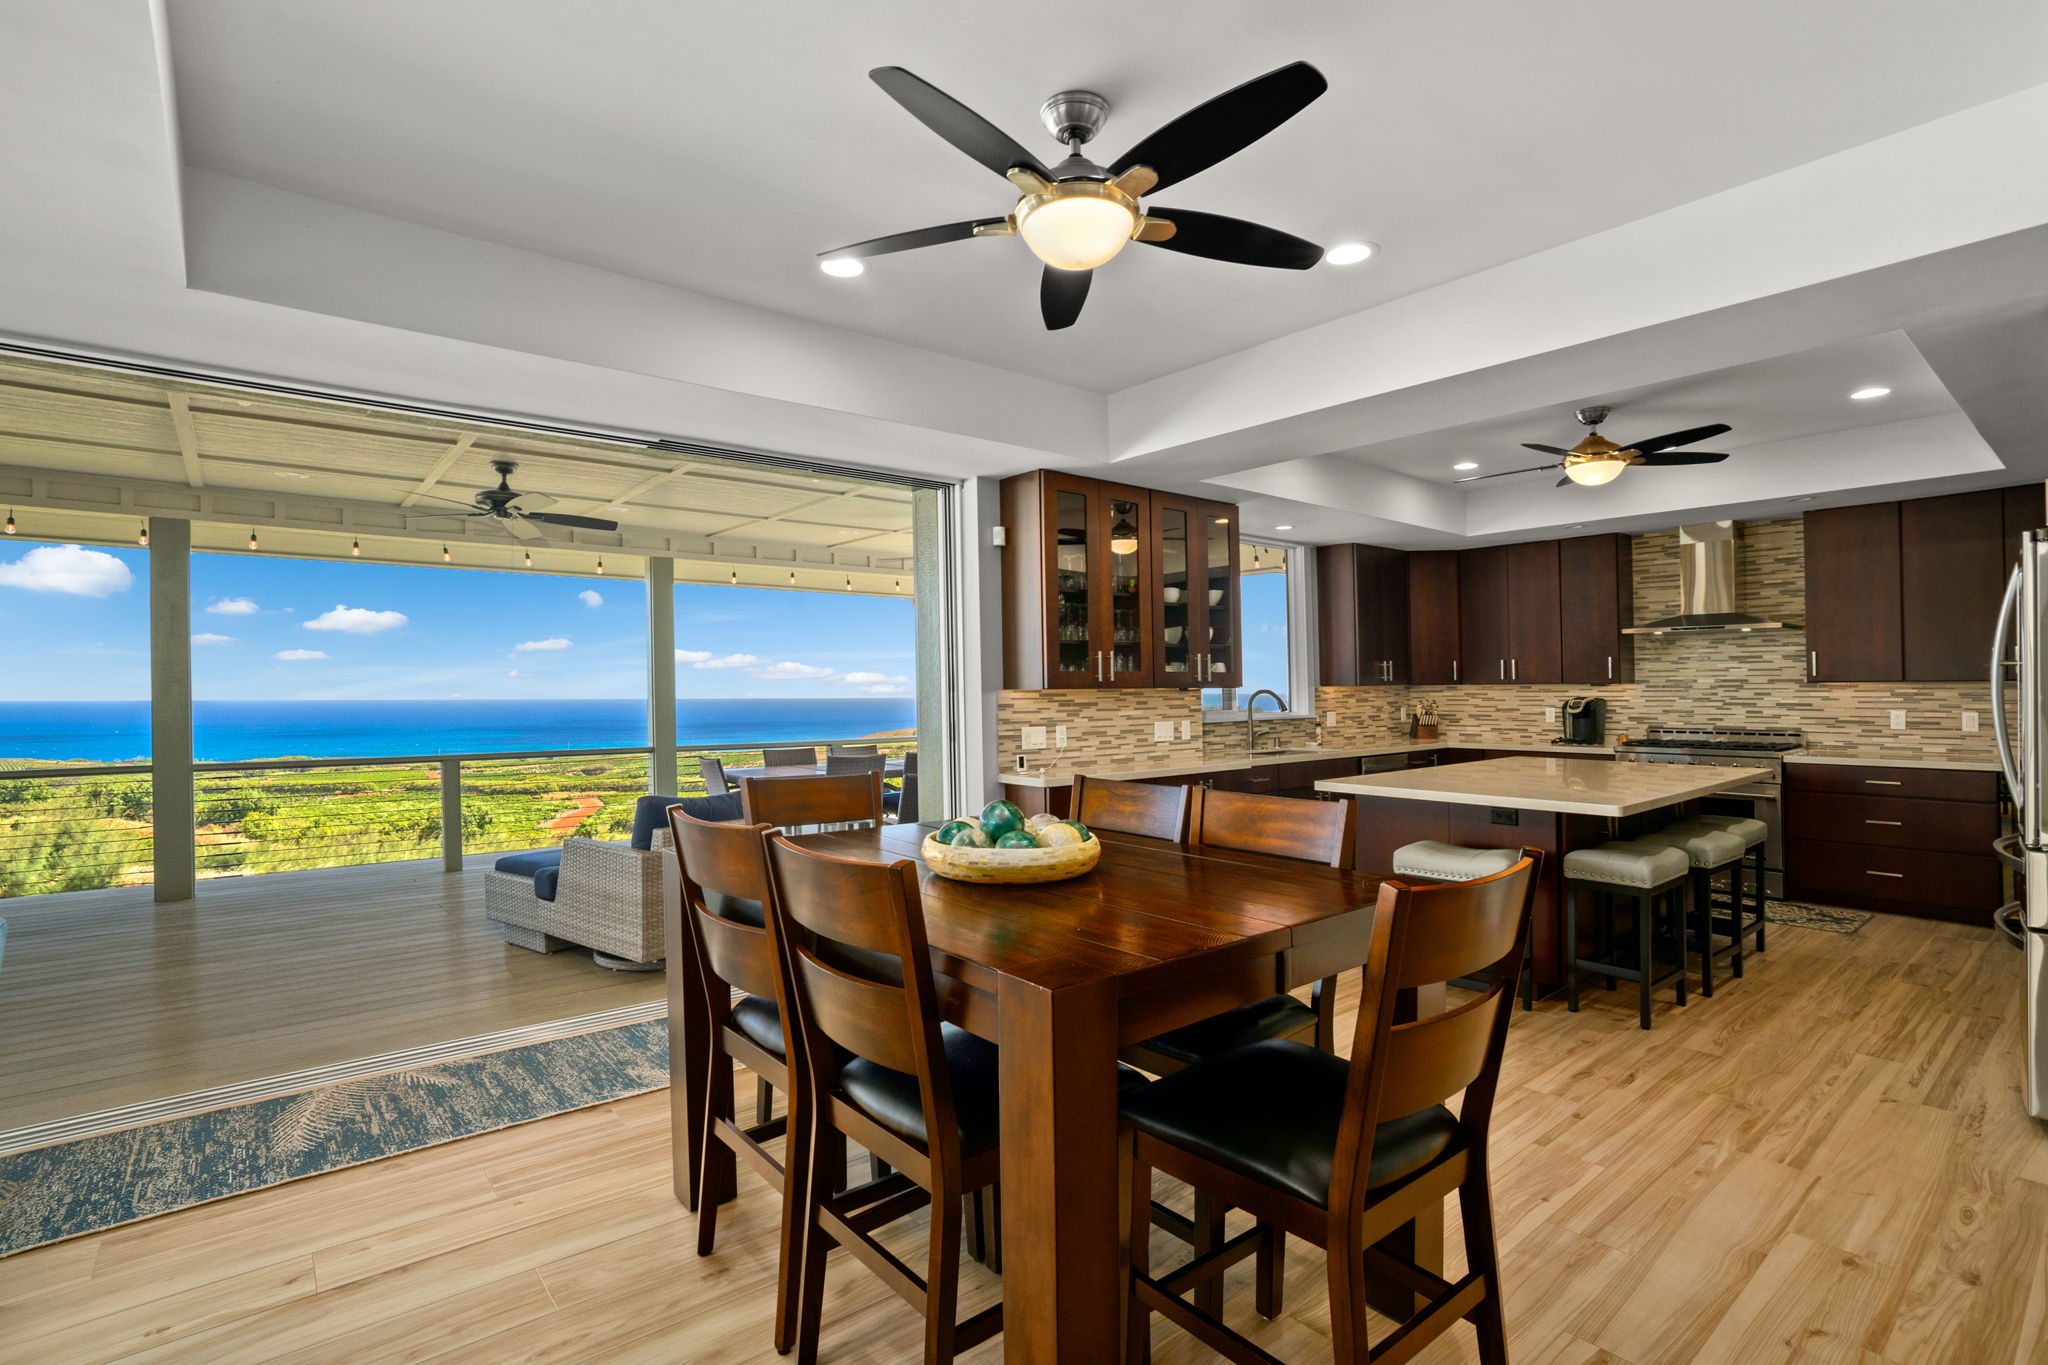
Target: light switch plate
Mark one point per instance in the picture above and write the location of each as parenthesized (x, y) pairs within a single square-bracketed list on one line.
[(1162, 731), (1034, 737), (1969, 722), (1898, 720), (1550, 715), (1329, 720), (1186, 732)]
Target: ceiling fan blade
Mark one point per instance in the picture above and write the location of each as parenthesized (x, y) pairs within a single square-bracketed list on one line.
[(955, 122), (1547, 450), (1226, 125), (1678, 438), (567, 519), (910, 241), (1232, 239), (518, 527), (529, 503), (1061, 294), (1682, 457), (1505, 473)]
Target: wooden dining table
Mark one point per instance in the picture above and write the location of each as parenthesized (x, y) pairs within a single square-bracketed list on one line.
[(1060, 976)]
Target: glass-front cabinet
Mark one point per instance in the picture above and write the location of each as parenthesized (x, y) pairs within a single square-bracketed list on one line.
[(1112, 586)]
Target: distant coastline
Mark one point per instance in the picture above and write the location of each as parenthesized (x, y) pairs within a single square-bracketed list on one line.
[(232, 731)]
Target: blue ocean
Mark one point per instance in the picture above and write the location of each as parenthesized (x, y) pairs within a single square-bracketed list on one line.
[(228, 731)]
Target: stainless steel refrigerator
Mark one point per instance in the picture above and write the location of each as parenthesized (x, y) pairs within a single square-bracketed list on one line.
[(2019, 656)]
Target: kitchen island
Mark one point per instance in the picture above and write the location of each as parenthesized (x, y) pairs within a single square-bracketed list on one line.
[(1552, 804)]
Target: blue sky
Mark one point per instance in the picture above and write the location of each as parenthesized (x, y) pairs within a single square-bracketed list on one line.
[(285, 629)]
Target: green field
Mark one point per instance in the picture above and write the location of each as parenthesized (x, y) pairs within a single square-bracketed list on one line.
[(66, 834)]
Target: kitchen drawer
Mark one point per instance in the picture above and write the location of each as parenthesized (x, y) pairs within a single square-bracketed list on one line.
[(1892, 821), (1942, 885), (1933, 784)]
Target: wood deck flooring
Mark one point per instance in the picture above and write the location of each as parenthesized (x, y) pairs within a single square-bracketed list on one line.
[(1826, 1162), (108, 999)]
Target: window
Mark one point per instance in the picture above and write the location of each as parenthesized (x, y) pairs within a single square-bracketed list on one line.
[(1265, 586)]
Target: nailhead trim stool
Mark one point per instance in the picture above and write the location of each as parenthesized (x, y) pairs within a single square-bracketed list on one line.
[(1746, 914), (1709, 851), (1436, 861), (1655, 877)]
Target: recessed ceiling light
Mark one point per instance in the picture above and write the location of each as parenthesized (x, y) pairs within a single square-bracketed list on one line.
[(842, 267), (1466, 464), (1283, 528), (292, 474), (1576, 526), (1802, 499), (1351, 253), (1874, 391)]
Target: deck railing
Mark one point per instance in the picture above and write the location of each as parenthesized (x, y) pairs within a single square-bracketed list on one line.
[(79, 827)]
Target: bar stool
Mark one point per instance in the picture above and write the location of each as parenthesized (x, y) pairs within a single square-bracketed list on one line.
[(1654, 876), (1709, 851), (1437, 861), (1747, 916)]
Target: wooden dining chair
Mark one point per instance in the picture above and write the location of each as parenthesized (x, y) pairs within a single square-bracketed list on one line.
[(713, 771), (1156, 812), (799, 757), (718, 943), (1343, 1154), (879, 1067), (796, 802)]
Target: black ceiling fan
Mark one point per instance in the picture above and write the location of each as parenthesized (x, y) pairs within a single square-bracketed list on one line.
[(1597, 460), (1076, 215), (519, 511)]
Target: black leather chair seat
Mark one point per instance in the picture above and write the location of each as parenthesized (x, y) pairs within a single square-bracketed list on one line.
[(761, 1022), (1271, 1110), (1277, 1016), (890, 1097)]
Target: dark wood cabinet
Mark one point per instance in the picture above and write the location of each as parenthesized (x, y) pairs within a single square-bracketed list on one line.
[(1853, 618), (1433, 617), (1097, 594), (1596, 590), (1483, 614), (1362, 615), (1910, 841), (1535, 646)]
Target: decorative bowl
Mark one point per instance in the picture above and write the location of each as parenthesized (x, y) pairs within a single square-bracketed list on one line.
[(967, 864)]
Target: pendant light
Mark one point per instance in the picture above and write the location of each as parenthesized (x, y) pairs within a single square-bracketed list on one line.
[(252, 537), (735, 578), (445, 556), (600, 564), (142, 534), (849, 583), (10, 521), (355, 548), (529, 559), (792, 578), (1123, 537)]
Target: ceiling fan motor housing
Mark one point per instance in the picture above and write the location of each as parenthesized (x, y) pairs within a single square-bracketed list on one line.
[(1593, 414), (1074, 116)]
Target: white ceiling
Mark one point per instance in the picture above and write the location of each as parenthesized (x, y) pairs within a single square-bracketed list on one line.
[(718, 148)]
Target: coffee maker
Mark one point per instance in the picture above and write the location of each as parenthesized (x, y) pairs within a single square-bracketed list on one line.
[(1585, 721)]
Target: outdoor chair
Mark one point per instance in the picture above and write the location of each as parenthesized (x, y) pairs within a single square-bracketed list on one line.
[(804, 757), (594, 894), (850, 750), (843, 765)]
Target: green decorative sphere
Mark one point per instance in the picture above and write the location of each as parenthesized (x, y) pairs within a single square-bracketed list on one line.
[(999, 818), (969, 837), (951, 830), (1018, 838)]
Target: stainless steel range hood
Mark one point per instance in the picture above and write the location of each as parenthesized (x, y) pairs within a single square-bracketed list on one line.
[(1706, 586)]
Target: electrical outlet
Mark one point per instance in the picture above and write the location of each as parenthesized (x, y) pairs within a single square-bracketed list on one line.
[(1505, 817), (1550, 715), (1162, 731), (1059, 735), (1969, 722), (1034, 737), (1186, 730), (1329, 720), (1898, 720)]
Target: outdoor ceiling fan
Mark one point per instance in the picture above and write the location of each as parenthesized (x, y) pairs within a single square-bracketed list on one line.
[(1077, 215), (519, 511), (1597, 460)]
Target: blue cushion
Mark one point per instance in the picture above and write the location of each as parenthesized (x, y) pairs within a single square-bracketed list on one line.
[(545, 881), (650, 813), (531, 862)]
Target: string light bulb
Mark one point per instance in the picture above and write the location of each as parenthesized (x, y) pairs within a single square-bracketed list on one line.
[(735, 577), (445, 556), (899, 585), (10, 521), (529, 559), (849, 584), (355, 547), (142, 534), (600, 563), (252, 537), (792, 577), (1255, 560)]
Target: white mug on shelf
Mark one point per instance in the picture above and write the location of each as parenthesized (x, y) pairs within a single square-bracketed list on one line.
[(1215, 596), (1173, 634), (1173, 594)]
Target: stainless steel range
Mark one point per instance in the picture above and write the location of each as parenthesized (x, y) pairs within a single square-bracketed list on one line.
[(1762, 799)]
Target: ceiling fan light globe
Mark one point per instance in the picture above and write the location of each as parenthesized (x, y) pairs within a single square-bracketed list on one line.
[(1076, 226), (1593, 473)]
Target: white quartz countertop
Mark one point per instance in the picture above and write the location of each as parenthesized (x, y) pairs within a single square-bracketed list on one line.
[(1568, 786), (1063, 776), (1870, 757)]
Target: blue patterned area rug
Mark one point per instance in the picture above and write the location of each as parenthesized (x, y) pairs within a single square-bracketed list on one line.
[(72, 1188)]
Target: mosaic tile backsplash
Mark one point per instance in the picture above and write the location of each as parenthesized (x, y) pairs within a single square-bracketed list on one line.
[(1727, 680)]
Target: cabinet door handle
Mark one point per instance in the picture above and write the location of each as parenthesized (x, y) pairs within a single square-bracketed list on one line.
[(1503, 669), (1454, 670), (1873, 872), (1610, 668), (1882, 782), (1514, 670), (1884, 822), (1813, 663)]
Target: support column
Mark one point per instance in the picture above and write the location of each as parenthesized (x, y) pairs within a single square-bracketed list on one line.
[(928, 592), (170, 708), (661, 675)]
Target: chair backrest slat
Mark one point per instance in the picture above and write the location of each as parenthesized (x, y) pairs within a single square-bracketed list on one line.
[(794, 757), (865, 1017), (1280, 826), (789, 801), (1157, 812), (1432, 1059)]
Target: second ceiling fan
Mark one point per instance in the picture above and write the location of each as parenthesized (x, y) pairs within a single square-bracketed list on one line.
[(1597, 460), (1077, 215)]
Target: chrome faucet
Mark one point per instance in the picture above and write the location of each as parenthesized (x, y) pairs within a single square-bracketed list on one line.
[(1251, 722)]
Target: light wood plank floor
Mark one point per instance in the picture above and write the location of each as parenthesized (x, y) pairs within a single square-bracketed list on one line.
[(107, 998), (1826, 1162)]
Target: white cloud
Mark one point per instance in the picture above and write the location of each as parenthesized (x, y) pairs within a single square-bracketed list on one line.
[(693, 656), (208, 638), (885, 689), (730, 661), (356, 620), (786, 669), (871, 678), (294, 655), (514, 673), (70, 569), (590, 598), (233, 606), (535, 646)]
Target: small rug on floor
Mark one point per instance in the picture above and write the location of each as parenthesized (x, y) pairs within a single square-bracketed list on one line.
[(1829, 919), (72, 1188)]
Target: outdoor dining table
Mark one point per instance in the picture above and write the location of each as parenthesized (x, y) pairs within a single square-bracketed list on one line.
[(1061, 975)]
